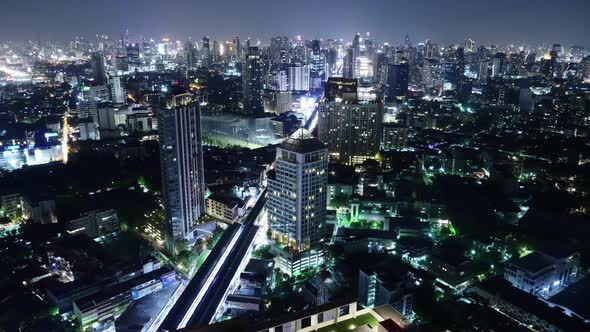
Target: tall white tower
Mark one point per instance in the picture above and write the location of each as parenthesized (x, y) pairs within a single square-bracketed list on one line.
[(297, 201)]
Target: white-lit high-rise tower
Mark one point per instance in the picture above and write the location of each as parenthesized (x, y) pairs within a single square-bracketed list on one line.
[(297, 201)]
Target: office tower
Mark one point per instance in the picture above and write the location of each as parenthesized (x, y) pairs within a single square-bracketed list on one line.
[(279, 49), (237, 48), (91, 97), (277, 80), (451, 75), (298, 76), (431, 50), (427, 72), (498, 65), (379, 60), (206, 52), (88, 130), (190, 55), (317, 72), (470, 45), (584, 71), (484, 70), (121, 63), (252, 83), (99, 74), (331, 56), (350, 60), (340, 89), (398, 77), (369, 46), (117, 87), (352, 131), (106, 116), (133, 58), (395, 137), (297, 201), (181, 160)]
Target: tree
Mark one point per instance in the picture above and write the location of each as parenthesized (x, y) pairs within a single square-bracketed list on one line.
[(181, 245)]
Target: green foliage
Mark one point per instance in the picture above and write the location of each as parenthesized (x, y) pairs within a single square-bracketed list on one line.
[(263, 252), (339, 200)]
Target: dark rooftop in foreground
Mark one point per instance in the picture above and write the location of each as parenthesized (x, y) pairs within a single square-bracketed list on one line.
[(575, 298)]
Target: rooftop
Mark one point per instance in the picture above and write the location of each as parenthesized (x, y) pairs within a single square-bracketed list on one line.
[(575, 298), (301, 141), (534, 262), (351, 324)]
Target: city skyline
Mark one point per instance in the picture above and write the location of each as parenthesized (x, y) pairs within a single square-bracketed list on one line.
[(379, 165), (503, 22)]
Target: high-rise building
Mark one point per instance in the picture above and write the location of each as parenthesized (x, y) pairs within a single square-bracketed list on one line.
[(395, 137), (88, 130), (190, 54), (498, 65), (91, 97), (298, 76), (297, 201), (279, 49), (352, 131), (252, 74), (317, 61), (121, 63), (427, 72), (206, 52), (277, 81), (398, 77), (237, 48), (350, 60), (133, 58), (99, 73), (181, 160), (117, 87)]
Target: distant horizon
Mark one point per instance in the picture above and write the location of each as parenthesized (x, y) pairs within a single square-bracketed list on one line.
[(499, 22), (266, 40)]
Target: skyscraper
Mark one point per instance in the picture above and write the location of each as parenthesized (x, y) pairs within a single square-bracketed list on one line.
[(317, 71), (297, 201), (190, 54), (181, 160), (117, 87), (398, 76), (279, 49), (133, 58), (352, 131), (98, 70), (350, 61), (252, 74), (298, 76), (206, 52)]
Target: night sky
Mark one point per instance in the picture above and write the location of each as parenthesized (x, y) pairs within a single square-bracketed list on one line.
[(445, 21)]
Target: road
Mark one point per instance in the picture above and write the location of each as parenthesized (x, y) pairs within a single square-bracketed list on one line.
[(207, 289)]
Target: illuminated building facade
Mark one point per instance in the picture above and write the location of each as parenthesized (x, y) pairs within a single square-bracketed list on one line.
[(181, 159), (297, 201), (352, 131), (252, 74)]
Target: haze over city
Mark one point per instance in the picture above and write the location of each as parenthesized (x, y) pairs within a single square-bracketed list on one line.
[(311, 166), (490, 21)]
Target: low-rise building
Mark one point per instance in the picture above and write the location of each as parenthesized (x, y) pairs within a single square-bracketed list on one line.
[(378, 287), (543, 274), (95, 223), (108, 304), (225, 208)]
